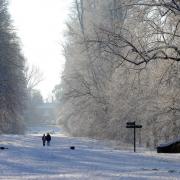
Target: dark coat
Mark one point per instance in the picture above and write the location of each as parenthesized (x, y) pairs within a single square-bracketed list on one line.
[(48, 137), (44, 138)]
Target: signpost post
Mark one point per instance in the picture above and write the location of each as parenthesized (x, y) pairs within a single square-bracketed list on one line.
[(133, 125)]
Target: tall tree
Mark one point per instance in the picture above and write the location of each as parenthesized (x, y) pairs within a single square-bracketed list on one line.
[(117, 71), (12, 79)]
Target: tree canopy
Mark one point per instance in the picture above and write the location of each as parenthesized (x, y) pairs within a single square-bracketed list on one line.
[(12, 78), (122, 64)]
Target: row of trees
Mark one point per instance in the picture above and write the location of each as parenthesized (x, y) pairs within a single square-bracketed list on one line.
[(18, 80), (122, 64), (12, 78), (34, 98)]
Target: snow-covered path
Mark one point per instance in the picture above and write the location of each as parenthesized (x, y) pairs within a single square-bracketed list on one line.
[(26, 158)]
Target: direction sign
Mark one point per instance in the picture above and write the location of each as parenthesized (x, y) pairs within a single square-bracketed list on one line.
[(138, 126), (129, 126), (133, 125), (130, 123)]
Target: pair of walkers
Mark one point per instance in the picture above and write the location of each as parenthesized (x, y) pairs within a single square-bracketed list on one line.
[(46, 138)]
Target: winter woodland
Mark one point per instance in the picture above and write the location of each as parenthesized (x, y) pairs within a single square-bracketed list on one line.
[(122, 64), (13, 89)]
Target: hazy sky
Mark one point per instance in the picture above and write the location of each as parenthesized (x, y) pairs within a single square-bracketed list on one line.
[(40, 26)]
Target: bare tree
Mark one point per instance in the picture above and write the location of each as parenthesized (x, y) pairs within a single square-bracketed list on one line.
[(33, 76), (117, 71)]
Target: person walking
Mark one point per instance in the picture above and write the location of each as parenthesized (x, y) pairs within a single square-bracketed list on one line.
[(48, 139), (44, 139)]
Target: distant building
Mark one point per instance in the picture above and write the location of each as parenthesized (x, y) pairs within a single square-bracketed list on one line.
[(47, 112)]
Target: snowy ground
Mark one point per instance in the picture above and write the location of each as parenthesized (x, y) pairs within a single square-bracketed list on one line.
[(26, 158)]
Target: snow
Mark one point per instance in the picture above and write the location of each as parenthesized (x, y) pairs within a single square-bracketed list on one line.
[(27, 159)]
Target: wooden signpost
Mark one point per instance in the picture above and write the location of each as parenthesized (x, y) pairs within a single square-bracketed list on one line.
[(133, 125)]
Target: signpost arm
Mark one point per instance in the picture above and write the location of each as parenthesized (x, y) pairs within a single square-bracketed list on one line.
[(133, 125)]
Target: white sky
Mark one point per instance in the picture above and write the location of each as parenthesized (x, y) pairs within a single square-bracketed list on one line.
[(40, 25)]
